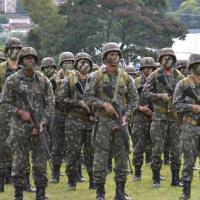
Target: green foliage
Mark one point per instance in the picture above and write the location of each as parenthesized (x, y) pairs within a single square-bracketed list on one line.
[(3, 19), (84, 25), (156, 3)]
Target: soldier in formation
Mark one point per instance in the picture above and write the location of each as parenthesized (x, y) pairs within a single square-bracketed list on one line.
[(107, 132), (159, 87), (142, 119), (24, 135), (186, 102)]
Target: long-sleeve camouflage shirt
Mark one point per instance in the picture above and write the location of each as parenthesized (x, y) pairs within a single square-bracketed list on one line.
[(39, 91), (126, 97), (155, 85), (182, 103), (71, 92)]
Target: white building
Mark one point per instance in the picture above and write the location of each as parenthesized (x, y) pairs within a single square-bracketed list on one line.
[(8, 6)]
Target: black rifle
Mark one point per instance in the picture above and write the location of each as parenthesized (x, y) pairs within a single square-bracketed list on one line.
[(192, 94), (24, 96), (122, 129), (164, 81)]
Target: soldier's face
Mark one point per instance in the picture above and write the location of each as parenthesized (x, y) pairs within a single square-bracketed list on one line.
[(29, 62), (49, 71), (112, 58), (83, 66), (196, 69), (167, 61), (147, 71), (68, 65), (13, 53)]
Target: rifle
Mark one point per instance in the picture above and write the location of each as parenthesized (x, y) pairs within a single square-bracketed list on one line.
[(24, 96), (192, 94), (123, 129)]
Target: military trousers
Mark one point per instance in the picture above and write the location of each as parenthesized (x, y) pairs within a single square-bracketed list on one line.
[(190, 143), (78, 136), (159, 131), (23, 144), (104, 140), (141, 139)]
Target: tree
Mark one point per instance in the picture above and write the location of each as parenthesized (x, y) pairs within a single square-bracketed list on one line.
[(47, 33)]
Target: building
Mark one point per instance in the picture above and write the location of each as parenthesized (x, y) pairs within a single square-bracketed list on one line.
[(8, 6)]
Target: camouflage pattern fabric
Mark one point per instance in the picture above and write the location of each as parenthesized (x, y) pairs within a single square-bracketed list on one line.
[(127, 97), (164, 118), (190, 136), (20, 138)]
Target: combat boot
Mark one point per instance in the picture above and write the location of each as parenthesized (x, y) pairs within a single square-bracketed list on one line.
[(29, 187), (120, 193), (7, 178), (18, 193), (1, 182), (100, 191), (156, 178), (137, 175), (71, 182), (79, 176), (175, 179), (186, 190), (40, 193), (91, 181), (55, 174)]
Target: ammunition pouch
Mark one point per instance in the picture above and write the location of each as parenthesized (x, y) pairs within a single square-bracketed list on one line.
[(192, 121)]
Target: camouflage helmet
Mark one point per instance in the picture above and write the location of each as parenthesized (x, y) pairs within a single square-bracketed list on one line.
[(147, 62), (2, 56), (193, 59), (130, 69), (48, 61), (83, 55), (28, 51), (166, 52), (11, 43), (181, 63), (65, 56), (108, 47)]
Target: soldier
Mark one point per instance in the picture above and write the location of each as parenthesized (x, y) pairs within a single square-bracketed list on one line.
[(2, 57), (186, 102), (107, 132), (131, 71), (159, 87), (142, 118), (24, 137), (181, 65), (8, 67), (66, 65), (95, 67), (78, 125), (48, 67)]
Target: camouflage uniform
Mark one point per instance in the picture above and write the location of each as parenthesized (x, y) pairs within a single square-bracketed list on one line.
[(183, 103), (2, 57), (20, 139), (164, 119), (58, 140), (141, 127), (5, 154), (78, 126), (181, 65), (105, 137)]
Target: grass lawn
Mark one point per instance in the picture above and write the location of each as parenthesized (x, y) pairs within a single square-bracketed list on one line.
[(137, 190)]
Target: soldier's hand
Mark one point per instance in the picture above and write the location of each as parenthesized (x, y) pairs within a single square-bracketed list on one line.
[(25, 116), (84, 105), (164, 96), (124, 120), (110, 109), (144, 108), (196, 108), (35, 131)]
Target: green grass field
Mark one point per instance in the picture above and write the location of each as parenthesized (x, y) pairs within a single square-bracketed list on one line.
[(137, 190)]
